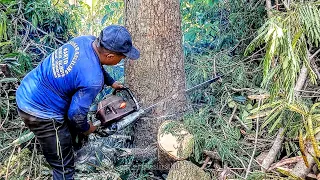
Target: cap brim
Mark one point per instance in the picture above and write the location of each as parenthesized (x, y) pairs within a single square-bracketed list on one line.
[(133, 54)]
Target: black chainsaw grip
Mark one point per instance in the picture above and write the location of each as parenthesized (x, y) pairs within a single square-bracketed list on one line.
[(121, 89)]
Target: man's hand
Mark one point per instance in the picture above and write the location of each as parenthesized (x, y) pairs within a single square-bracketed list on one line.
[(116, 85), (91, 129)]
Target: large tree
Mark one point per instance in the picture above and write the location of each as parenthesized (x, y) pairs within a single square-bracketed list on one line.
[(158, 76)]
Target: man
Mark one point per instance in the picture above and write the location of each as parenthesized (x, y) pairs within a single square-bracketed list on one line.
[(54, 98)]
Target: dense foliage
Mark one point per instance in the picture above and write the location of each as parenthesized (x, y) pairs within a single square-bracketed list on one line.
[(29, 30), (215, 37)]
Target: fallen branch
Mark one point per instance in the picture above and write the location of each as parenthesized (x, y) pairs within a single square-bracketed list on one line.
[(301, 79), (242, 123), (224, 174), (262, 140), (269, 7), (242, 89), (304, 73), (233, 113), (300, 169), (285, 162), (255, 143), (210, 155), (271, 156), (305, 91), (205, 162), (315, 54)]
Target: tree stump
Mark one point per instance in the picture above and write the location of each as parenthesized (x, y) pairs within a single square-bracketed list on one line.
[(175, 143)]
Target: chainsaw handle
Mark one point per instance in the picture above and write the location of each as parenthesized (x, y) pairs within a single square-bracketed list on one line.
[(121, 89), (129, 92)]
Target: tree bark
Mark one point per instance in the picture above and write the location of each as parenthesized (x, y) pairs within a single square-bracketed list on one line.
[(158, 76)]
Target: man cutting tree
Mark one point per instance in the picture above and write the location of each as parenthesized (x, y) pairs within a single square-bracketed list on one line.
[(54, 98)]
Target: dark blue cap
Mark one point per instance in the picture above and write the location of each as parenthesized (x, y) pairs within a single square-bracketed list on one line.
[(118, 39)]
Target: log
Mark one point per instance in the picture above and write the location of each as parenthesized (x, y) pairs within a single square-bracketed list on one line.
[(185, 170)]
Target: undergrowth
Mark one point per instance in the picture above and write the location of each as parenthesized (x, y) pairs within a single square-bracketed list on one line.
[(214, 134)]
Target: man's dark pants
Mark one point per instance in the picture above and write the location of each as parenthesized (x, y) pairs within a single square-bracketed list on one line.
[(56, 144)]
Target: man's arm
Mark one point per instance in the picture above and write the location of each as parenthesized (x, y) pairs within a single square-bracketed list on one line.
[(108, 80), (79, 108)]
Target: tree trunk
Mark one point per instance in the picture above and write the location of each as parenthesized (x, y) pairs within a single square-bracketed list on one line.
[(158, 76)]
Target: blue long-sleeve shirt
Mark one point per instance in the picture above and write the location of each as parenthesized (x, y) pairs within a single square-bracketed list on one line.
[(64, 84)]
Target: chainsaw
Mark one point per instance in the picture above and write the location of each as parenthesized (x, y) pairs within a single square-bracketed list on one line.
[(120, 109), (116, 111)]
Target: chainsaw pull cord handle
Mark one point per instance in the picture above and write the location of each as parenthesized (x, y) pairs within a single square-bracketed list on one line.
[(130, 93)]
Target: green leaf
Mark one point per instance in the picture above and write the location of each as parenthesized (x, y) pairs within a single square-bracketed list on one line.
[(297, 109), (314, 106), (231, 104), (266, 106), (276, 123), (249, 106), (103, 20), (244, 119), (5, 43), (272, 117)]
